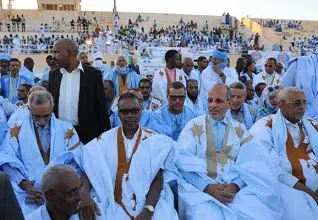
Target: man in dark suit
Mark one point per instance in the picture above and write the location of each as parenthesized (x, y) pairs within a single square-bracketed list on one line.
[(9, 206), (134, 66), (78, 92)]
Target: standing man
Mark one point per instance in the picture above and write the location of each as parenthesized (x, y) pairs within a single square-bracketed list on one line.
[(165, 76), (99, 64), (78, 92), (269, 76), (10, 83), (149, 102), (202, 64), (27, 69), (188, 71), (123, 77), (217, 73)]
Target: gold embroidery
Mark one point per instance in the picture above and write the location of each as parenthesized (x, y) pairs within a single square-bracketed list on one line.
[(239, 131), (264, 78), (269, 123), (75, 146), (161, 74), (246, 140), (14, 132), (69, 134)]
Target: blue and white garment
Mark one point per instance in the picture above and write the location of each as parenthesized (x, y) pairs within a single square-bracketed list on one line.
[(5, 85)]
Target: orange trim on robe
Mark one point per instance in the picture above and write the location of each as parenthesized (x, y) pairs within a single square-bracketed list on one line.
[(123, 168)]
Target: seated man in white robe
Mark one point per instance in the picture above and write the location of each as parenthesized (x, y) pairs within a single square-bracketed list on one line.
[(150, 102), (165, 76), (193, 100), (239, 110), (171, 118), (221, 181), (269, 76), (291, 139), (31, 144), (61, 189), (124, 170), (123, 77), (23, 111), (217, 72), (303, 73)]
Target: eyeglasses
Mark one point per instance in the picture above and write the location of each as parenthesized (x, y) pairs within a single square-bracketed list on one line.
[(72, 192), (270, 66), (298, 103), (175, 97), (133, 111), (272, 88)]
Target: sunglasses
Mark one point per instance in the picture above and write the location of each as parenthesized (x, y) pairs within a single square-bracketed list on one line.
[(125, 112), (271, 88), (175, 97)]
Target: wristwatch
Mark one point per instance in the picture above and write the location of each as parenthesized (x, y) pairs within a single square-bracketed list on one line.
[(150, 208)]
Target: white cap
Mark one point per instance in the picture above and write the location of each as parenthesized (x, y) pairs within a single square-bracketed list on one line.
[(97, 55)]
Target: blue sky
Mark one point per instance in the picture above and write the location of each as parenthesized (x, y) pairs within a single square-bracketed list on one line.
[(285, 9)]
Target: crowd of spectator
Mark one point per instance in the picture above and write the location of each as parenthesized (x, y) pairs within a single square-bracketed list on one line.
[(279, 26)]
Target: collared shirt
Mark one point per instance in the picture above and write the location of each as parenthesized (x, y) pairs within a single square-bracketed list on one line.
[(69, 95), (171, 74), (218, 131), (294, 131), (238, 116), (45, 136), (130, 144)]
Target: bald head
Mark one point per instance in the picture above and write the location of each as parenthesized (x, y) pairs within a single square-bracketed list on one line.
[(68, 44), (65, 53), (187, 65), (36, 88)]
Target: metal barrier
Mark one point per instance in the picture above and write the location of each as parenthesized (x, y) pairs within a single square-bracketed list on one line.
[(112, 48), (38, 27)]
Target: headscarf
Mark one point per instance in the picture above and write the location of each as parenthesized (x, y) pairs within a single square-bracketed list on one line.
[(217, 54), (265, 105), (97, 60)]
